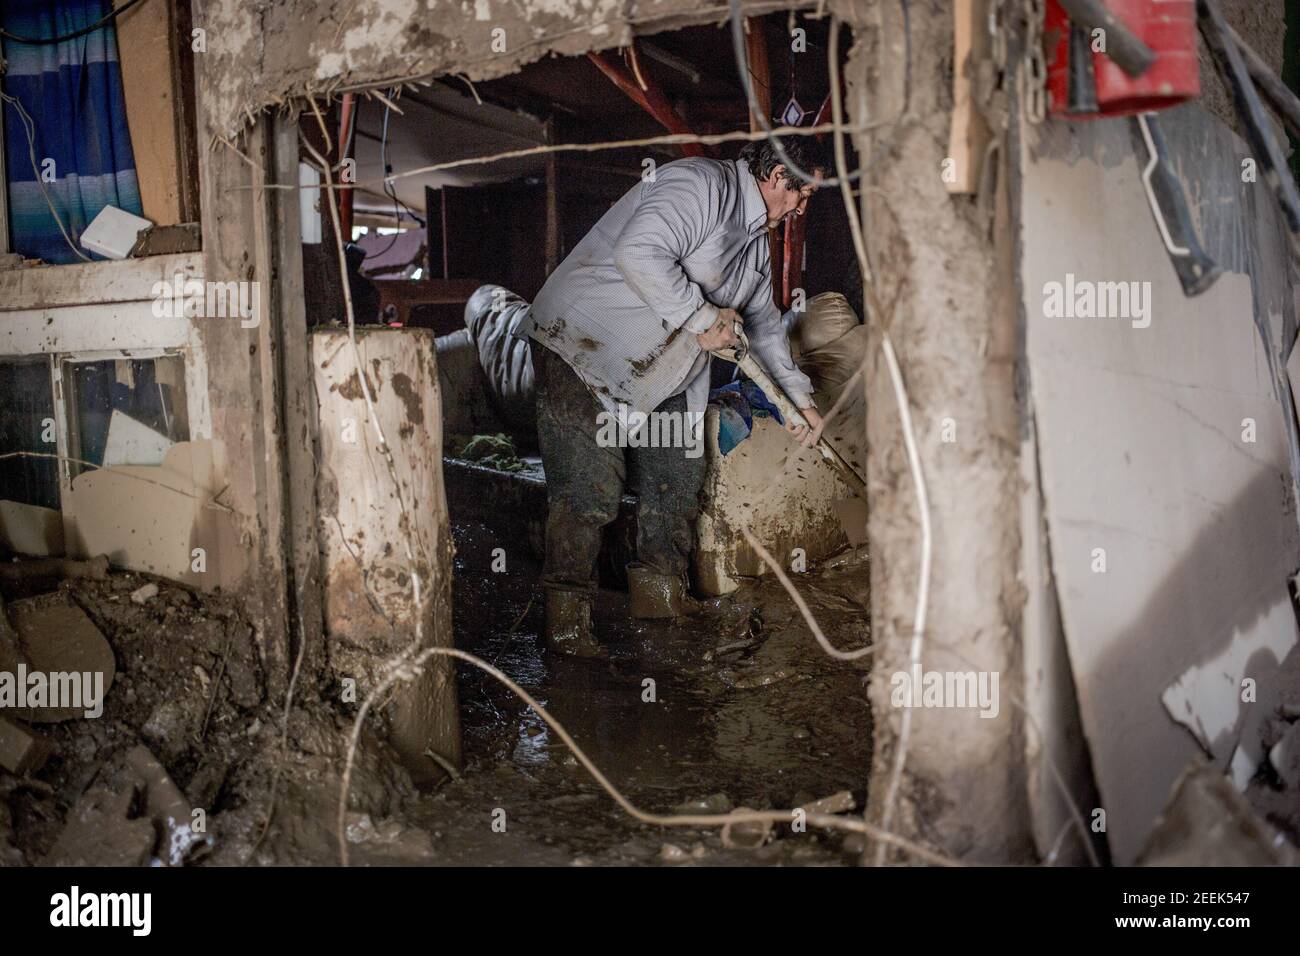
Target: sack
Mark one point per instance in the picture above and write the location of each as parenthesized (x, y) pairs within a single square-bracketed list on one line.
[(494, 317), (830, 363), (831, 366), (827, 317)]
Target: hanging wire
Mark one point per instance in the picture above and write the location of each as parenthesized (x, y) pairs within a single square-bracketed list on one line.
[(29, 128), (737, 18), (47, 41)]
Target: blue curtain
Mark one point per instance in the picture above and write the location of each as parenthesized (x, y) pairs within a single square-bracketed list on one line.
[(73, 93)]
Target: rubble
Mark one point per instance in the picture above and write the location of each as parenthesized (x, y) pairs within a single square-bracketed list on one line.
[(142, 595), (181, 839), (22, 751), (53, 636), (746, 836), (1285, 757), (95, 568), (100, 831), (841, 802), (1208, 823)]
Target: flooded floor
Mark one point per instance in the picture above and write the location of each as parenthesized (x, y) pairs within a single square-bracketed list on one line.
[(735, 706)]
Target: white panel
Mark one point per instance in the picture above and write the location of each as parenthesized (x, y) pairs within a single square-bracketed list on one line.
[(1140, 434)]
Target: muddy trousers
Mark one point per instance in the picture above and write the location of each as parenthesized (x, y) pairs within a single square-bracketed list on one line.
[(585, 481)]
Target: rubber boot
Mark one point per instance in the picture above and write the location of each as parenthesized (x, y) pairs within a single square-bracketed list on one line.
[(653, 595), (568, 625)]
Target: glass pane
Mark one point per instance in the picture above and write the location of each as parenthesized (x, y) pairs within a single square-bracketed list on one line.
[(126, 411), (27, 424)]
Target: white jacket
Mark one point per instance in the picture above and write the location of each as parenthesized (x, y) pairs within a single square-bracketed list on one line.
[(624, 306)]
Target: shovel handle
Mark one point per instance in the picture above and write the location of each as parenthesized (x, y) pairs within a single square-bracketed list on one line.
[(789, 412)]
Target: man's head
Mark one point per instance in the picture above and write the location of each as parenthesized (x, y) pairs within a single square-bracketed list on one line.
[(784, 193)]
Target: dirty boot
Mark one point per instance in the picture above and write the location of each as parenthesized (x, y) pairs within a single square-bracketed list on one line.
[(568, 625), (654, 595)]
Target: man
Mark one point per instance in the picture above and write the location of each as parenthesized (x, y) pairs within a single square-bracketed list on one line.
[(625, 326)]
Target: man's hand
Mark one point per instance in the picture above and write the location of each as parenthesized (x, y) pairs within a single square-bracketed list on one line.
[(722, 334), (807, 436)]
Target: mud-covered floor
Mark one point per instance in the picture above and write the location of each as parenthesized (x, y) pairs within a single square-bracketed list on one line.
[(746, 711)]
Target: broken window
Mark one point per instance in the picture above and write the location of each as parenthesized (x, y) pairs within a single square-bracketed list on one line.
[(27, 425), (125, 411)]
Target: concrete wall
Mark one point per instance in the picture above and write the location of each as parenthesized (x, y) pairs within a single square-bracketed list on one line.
[(955, 332), (264, 52)]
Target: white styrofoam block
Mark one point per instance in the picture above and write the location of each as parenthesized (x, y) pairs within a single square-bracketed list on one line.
[(308, 197), (113, 232)]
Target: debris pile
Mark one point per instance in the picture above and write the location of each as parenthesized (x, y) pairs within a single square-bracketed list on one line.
[(126, 707)]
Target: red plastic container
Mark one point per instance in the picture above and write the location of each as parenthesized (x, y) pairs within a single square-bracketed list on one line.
[(1167, 26)]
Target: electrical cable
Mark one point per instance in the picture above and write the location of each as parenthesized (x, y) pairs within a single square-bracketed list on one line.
[(47, 41), (742, 64), (389, 190), (29, 127)]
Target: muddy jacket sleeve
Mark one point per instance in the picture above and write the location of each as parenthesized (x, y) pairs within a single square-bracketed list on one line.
[(676, 213), (770, 344)]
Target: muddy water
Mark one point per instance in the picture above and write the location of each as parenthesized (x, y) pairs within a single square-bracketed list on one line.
[(735, 706)]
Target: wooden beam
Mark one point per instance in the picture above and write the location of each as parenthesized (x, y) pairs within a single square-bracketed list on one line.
[(242, 373), (968, 134), (761, 80), (103, 283), (760, 72), (347, 120), (552, 202), (297, 412)]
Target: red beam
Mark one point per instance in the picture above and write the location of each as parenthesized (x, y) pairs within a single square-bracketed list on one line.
[(347, 119), (823, 115), (651, 99), (796, 229)]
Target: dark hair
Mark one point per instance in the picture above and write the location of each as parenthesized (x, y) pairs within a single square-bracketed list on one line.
[(804, 151)]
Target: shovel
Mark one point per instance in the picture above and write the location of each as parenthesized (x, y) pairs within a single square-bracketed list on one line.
[(741, 357)]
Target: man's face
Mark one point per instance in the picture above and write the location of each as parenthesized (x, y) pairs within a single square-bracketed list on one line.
[(782, 202)]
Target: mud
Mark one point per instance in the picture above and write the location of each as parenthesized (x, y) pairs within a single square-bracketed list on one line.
[(652, 595), (746, 711), (733, 707)]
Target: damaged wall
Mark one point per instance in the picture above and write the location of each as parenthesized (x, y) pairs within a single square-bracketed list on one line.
[(1158, 399), (262, 52), (1163, 453), (953, 328)]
